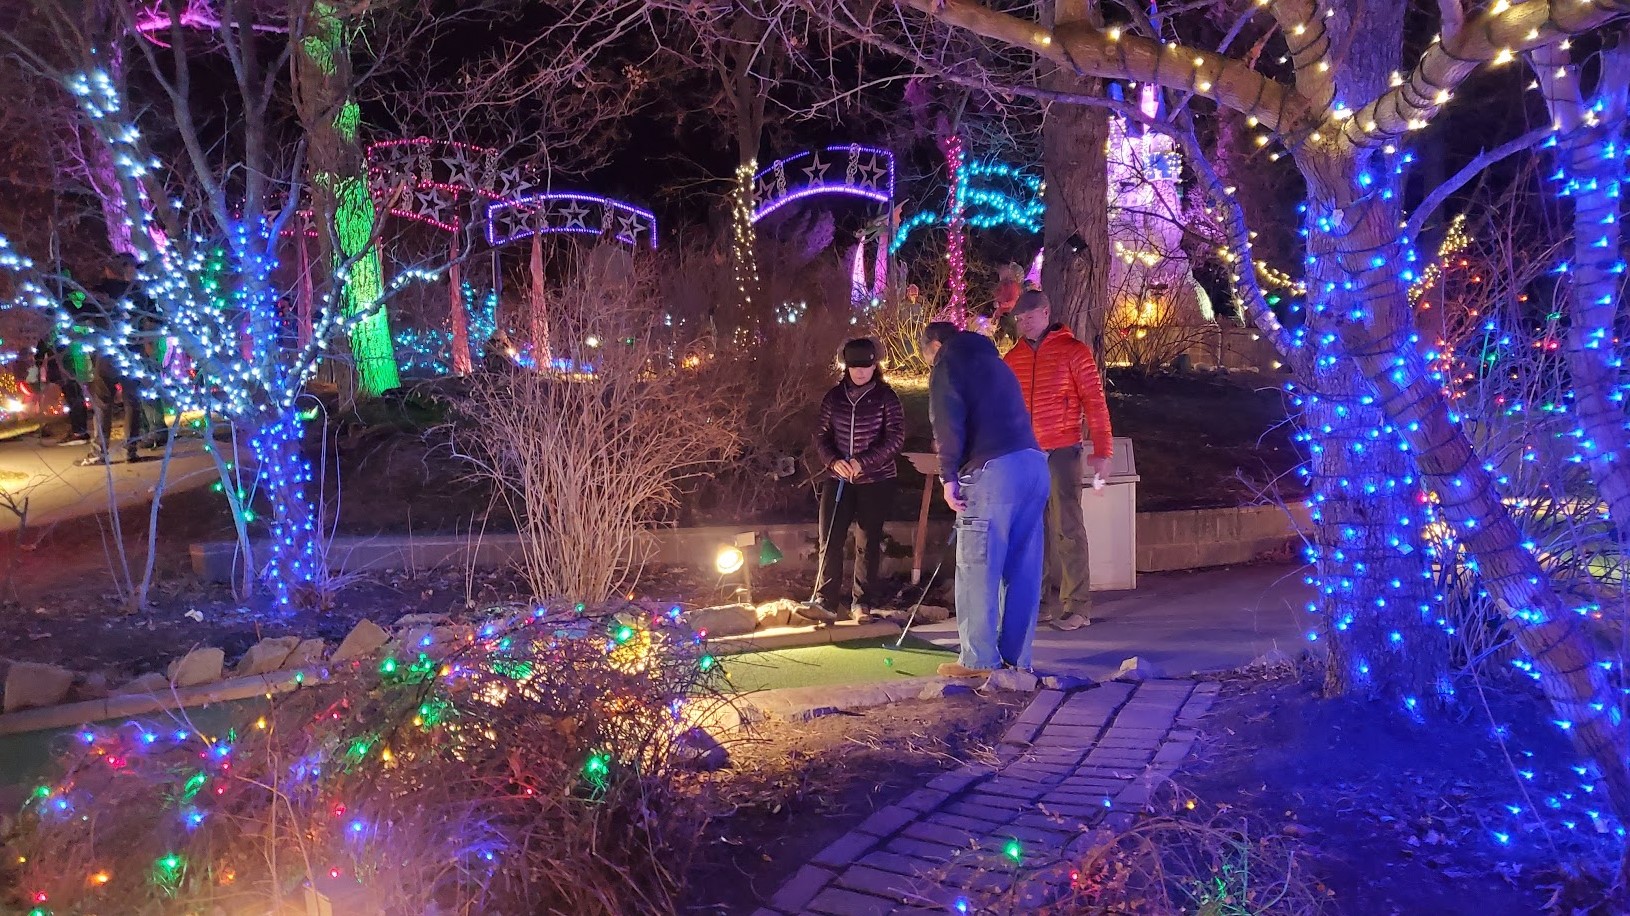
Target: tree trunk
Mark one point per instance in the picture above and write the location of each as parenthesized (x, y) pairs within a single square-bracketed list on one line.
[(1590, 150), (1075, 238), (1380, 613), (458, 318), (1366, 252), (537, 313), (284, 472), (305, 298), (748, 101), (955, 309), (339, 181)]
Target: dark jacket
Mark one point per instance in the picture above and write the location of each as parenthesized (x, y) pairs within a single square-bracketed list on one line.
[(975, 405), (48, 356), (864, 423)]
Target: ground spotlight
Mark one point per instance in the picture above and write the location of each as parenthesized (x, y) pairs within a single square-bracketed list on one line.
[(729, 560)]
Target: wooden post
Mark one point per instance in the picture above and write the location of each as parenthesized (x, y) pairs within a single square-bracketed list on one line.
[(925, 464), (920, 545)]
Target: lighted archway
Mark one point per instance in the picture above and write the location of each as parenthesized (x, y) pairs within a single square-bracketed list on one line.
[(547, 213), (443, 184), (852, 170)]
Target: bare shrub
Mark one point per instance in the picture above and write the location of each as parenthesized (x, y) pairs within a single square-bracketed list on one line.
[(1171, 865), (588, 450), (1496, 329), (1144, 334), (897, 324), (531, 771)]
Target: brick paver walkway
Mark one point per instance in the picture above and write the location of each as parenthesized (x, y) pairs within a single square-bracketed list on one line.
[(981, 838)]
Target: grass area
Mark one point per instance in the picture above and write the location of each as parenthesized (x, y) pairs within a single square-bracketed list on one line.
[(860, 661), (29, 758)]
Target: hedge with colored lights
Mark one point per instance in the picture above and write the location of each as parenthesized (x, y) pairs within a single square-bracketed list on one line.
[(524, 771)]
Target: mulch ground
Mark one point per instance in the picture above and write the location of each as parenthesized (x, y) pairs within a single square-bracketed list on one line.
[(1404, 816)]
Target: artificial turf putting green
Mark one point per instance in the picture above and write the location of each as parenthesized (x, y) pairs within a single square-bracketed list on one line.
[(859, 661)]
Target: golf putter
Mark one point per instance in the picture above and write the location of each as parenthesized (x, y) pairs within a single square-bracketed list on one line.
[(820, 562), (950, 543)]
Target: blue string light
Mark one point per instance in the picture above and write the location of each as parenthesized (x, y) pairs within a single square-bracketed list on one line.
[(429, 351), (993, 195)]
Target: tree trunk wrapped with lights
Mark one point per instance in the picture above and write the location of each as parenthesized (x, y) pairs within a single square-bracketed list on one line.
[(1354, 229), (1590, 155), (347, 219)]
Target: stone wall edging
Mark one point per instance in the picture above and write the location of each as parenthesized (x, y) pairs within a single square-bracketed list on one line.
[(1166, 541)]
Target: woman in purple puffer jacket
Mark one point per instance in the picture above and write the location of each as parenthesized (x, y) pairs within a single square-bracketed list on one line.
[(859, 436)]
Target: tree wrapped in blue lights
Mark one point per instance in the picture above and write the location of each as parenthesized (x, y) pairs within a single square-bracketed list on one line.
[(211, 296), (1379, 413)]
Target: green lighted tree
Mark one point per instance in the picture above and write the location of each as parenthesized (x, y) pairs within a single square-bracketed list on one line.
[(339, 184)]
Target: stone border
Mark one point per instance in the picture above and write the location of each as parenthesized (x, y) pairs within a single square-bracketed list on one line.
[(284, 664), (775, 639), (140, 704), (1166, 542)]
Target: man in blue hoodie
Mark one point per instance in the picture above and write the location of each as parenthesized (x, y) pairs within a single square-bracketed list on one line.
[(996, 479)]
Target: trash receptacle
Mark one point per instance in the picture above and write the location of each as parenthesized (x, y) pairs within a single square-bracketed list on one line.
[(1112, 522)]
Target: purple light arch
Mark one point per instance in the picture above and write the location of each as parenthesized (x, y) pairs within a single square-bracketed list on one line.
[(863, 171), (569, 212), (197, 14)]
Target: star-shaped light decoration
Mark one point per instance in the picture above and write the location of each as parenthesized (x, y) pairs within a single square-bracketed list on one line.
[(574, 213), (875, 169), (504, 182), (432, 203), (461, 172), (629, 227), (816, 170)]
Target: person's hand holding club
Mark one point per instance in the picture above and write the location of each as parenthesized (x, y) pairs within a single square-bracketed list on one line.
[(953, 497)]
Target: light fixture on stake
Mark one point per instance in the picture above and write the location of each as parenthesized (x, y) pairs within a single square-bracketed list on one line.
[(732, 558)]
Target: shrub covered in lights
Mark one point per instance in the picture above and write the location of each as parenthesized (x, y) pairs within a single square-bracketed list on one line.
[(524, 768)]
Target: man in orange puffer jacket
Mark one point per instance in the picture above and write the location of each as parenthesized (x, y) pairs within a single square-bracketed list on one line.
[(1061, 388)]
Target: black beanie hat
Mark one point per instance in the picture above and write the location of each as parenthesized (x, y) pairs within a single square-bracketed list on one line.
[(859, 353)]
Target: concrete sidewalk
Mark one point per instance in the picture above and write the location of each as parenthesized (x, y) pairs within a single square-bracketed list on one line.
[(57, 490), (1210, 620)]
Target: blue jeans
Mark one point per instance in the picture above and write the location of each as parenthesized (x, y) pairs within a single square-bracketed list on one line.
[(999, 550)]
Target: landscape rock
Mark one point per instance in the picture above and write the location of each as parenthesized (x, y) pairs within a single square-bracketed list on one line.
[(451, 636), (778, 613), (408, 621), (200, 666), (1273, 658), (941, 689), (1066, 682), (364, 640), (1138, 669), (308, 654), (932, 613), (1013, 679), (29, 684), (93, 686), (699, 750), (151, 682), (724, 620), (266, 656)]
